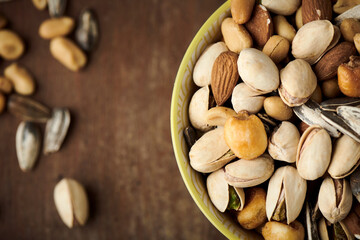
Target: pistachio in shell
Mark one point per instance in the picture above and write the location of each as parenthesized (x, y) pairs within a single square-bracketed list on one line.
[(335, 199), (283, 142), (253, 214), (258, 71), (245, 98), (210, 152), (298, 82), (248, 173), (222, 195), (245, 135), (199, 105), (310, 162), (286, 195), (71, 202), (345, 157), (336, 231)]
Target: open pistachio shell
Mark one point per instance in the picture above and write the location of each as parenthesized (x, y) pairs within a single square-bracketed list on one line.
[(217, 116), (352, 222), (203, 66), (210, 152), (283, 142), (199, 105), (248, 173), (312, 40), (245, 98), (298, 82), (258, 71), (355, 184), (345, 158), (310, 162), (335, 199), (286, 183), (218, 190)]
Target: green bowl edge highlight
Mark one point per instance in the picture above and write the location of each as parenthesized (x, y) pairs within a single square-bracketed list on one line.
[(174, 128)]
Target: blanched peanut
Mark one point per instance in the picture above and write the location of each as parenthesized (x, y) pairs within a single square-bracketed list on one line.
[(276, 108), (56, 27), (40, 4), (11, 45), (5, 85), (349, 27), (236, 37), (67, 53), (283, 28), (21, 79)]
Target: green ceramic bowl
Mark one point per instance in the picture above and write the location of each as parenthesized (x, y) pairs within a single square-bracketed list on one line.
[(184, 88)]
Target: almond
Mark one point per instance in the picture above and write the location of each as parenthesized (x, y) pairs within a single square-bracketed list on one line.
[(224, 76), (260, 26), (327, 67), (316, 10)]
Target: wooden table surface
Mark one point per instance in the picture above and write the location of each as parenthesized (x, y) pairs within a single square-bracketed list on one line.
[(119, 143)]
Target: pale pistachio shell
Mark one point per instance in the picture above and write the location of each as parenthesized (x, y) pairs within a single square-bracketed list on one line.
[(310, 162), (199, 105), (203, 66), (218, 190), (283, 142), (244, 98), (327, 200), (312, 40), (283, 7), (294, 187), (217, 116), (258, 71), (298, 82), (235, 36), (71, 202), (248, 173), (345, 157), (210, 152)]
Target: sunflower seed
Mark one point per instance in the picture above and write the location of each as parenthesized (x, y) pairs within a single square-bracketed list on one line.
[(56, 130), (87, 33), (56, 7), (28, 109), (333, 104), (28, 142)]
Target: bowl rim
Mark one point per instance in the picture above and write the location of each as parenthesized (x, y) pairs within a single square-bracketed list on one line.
[(174, 128)]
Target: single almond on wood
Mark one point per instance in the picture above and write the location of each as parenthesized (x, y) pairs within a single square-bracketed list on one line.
[(224, 76), (260, 26), (327, 67), (316, 10)]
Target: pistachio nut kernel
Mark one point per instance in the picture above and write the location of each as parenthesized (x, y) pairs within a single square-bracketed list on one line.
[(335, 199), (283, 142), (286, 195), (245, 135)]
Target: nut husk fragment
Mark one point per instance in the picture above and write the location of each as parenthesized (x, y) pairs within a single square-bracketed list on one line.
[(352, 221), (355, 184), (56, 130), (56, 7), (286, 190), (28, 142), (87, 32), (335, 199), (71, 202), (253, 214)]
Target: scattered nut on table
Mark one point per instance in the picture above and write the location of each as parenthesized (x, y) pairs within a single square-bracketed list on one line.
[(56, 27), (11, 45), (21, 79)]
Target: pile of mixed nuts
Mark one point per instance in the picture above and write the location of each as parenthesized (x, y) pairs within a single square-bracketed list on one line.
[(69, 195), (281, 173)]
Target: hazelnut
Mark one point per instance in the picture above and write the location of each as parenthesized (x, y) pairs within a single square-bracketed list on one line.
[(330, 88), (245, 135), (254, 212), (349, 77), (276, 108)]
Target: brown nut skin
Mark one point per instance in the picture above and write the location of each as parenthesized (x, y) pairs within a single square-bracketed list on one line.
[(11, 45), (21, 79), (68, 53), (253, 214), (357, 42), (241, 10), (245, 135), (276, 108), (277, 48), (330, 88), (260, 26), (302, 127), (282, 231), (349, 77), (5, 85), (2, 102), (317, 95), (56, 27), (349, 27)]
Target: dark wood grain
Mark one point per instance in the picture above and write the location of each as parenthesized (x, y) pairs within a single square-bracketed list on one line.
[(119, 144)]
